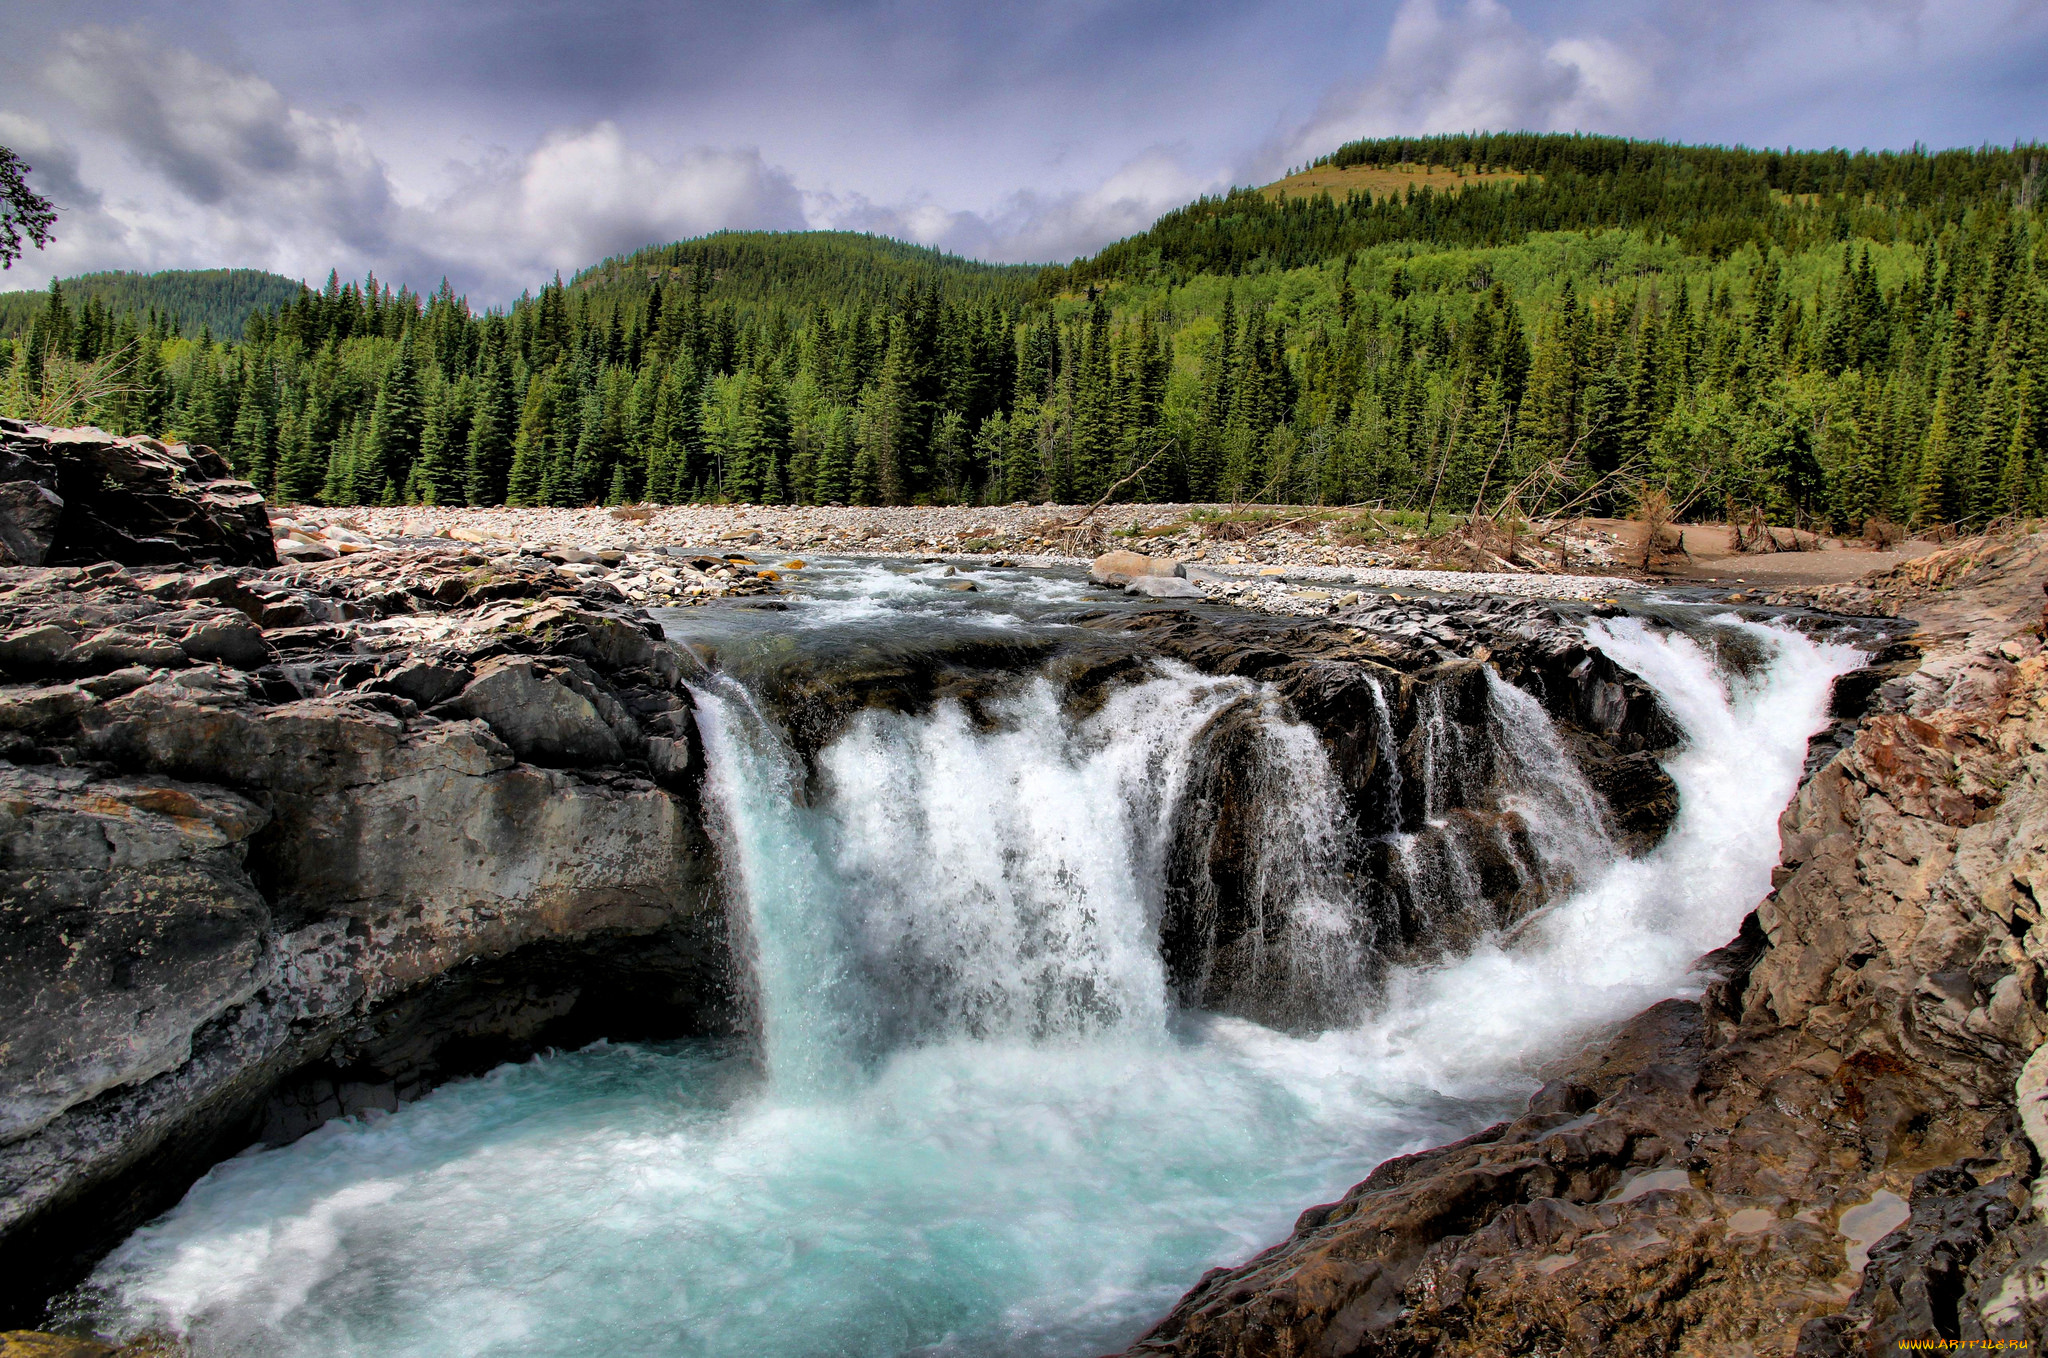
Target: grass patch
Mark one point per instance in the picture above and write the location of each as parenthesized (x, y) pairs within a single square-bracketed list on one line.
[(1381, 180)]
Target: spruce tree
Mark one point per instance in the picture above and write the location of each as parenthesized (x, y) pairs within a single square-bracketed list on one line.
[(300, 467), (533, 446), (1933, 488), (495, 425), (396, 422)]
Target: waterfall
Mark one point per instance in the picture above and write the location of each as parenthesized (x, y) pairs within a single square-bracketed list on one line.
[(1002, 881), (977, 1121)]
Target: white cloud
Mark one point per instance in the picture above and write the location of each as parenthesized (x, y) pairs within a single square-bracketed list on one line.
[(1031, 227), (1473, 66), (200, 166), (161, 158), (584, 194)]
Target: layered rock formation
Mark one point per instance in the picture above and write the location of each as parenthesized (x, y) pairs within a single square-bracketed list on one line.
[(1825, 1155), (78, 496), (276, 846)]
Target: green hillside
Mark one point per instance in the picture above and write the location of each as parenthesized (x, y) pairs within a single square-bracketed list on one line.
[(1579, 323), (833, 269), (217, 299)]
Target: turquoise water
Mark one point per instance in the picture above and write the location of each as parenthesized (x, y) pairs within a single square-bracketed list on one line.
[(973, 1123)]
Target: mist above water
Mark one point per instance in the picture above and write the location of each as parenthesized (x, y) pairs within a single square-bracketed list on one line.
[(974, 1121)]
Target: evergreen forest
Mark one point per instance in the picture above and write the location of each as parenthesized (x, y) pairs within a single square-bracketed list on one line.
[(220, 300), (1825, 338)]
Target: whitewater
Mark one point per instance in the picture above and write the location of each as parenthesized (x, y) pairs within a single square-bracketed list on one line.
[(972, 1120)]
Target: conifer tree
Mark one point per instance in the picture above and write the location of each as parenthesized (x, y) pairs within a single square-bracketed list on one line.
[(1933, 488), (533, 446), (396, 422), (300, 468), (488, 458)]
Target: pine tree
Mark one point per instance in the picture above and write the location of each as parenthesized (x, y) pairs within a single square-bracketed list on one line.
[(343, 467), (533, 446), (437, 477), (396, 423), (887, 415), (1933, 489), (300, 466), (831, 482), (488, 458)]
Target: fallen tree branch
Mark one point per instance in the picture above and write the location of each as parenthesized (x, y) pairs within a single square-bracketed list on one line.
[(1126, 480)]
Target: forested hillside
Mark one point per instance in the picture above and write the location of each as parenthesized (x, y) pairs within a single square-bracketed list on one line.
[(1822, 336), (217, 300)]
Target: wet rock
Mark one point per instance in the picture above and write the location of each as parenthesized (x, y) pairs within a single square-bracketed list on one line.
[(35, 649), (29, 515), (117, 647), (1163, 587), (1689, 1185), (128, 925), (40, 710), (423, 682), (232, 640), (238, 901)]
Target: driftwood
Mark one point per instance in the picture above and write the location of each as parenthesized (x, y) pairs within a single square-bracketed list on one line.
[(1127, 478)]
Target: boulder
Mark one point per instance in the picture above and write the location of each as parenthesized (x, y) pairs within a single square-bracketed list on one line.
[(73, 496), (1120, 568), (422, 682), (293, 550), (533, 708), (34, 649), (236, 903), (29, 514)]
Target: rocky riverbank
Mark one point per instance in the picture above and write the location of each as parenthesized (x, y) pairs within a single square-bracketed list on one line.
[(1836, 1150), (1302, 566)]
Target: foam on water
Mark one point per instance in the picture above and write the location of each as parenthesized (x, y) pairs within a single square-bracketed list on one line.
[(975, 1126)]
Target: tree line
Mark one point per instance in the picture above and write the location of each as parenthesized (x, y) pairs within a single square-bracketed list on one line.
[(1838, 361)]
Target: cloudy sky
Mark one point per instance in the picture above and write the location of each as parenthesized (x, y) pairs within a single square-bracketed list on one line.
[(496, 141)]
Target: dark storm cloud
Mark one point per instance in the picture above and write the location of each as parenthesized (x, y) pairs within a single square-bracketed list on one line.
[(499, 141)]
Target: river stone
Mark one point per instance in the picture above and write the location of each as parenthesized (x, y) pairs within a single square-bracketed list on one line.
[(29, 515), (1163, 587), (1120, 568), (39, 709), (34, 649), (306, 551), (422, 681), (117, 647)]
